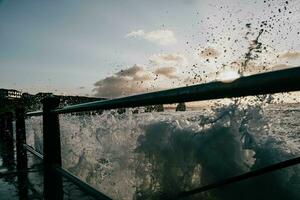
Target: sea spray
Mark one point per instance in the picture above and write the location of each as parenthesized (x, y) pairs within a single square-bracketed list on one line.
[(141, 156), (34, 133)]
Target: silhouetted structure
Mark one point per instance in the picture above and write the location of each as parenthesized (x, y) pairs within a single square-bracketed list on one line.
[(155, 108), (33, 102), (10, 99), (10, 94), (181, 107)]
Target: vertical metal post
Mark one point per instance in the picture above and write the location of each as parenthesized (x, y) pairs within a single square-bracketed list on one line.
[(9, 126), (1, 125), (8, 147), (52, 150), (22, 162), (21, 138), (51, 133)]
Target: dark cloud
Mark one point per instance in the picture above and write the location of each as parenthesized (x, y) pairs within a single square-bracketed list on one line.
[(115, 86), (135, 79), (131, 72), (125, 82), (137, 73)]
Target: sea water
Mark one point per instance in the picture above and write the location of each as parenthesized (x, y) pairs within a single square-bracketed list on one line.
[(142, 156)]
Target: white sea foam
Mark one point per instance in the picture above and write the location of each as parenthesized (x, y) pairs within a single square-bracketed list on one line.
[(138, 156), (34, 133)]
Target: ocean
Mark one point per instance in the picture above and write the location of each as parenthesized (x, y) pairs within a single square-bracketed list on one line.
[(142, 156)]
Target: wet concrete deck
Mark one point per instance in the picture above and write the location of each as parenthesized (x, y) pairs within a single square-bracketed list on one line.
[(27, 183)]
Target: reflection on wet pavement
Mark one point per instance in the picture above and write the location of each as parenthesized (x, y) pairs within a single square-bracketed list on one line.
[(21, 176)]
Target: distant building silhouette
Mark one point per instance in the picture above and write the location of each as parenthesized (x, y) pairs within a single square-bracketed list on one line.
[(10, 94), (181, 107), (154, 108), (10, 99)]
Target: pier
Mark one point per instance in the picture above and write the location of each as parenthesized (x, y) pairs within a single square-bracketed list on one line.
[(26, 173)]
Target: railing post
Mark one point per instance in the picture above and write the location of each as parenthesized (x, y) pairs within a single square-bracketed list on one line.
[(8, 147), (22, 162), (1, 125), (8, 132), (51, 133), (21, 138), (52, 152)]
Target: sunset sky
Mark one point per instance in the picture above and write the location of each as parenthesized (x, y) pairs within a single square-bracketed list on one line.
[(115, 48)]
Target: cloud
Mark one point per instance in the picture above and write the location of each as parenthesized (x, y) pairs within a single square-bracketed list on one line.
[(167, 64), (168, 72), (136, 73), (131, 72), (161, 37), (125, 82), (140, 79), (290, 55), (278, 66), (115, 86), (163, 60), (209, 52), (138, 33)]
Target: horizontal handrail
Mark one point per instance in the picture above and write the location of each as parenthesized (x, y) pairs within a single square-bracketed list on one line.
[(286, 80), (35, 113), (93, 192), (17, 172), (242, 177), (265, 83), (33, 151)]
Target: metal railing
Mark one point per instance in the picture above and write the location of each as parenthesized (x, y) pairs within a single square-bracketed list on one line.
[(265, 83)]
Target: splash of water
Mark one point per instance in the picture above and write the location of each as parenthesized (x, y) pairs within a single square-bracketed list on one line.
[(140, 156)]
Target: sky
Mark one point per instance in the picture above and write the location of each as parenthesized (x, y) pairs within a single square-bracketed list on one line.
[(116, 48)]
